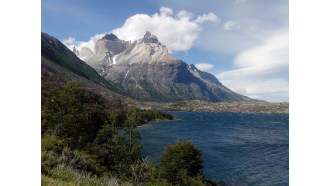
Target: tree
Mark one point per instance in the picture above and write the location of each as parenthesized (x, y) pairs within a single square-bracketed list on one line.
[(115, 151), (181, 160), (75, 114)]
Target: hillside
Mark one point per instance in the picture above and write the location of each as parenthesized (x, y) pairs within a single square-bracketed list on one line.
[(60, 65)]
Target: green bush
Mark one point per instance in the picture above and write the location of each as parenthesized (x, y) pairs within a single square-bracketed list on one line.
[(181, 161), (155, 176), (54, 153), (75, 114), (83, 133), (52, 143), (116, 151)]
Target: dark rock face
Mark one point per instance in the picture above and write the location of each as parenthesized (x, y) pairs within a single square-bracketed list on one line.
[(110, 37), (145, 70), (148, 38), (168, 81)]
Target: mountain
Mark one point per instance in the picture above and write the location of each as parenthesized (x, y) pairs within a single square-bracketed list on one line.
[(60, 65), (54, 50), (146, 70), (56, 70)]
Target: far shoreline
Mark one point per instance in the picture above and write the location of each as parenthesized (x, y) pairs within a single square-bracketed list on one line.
[(232, 107)]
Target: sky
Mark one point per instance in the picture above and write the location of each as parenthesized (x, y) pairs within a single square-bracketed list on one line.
[(309, 71), (244, 43)]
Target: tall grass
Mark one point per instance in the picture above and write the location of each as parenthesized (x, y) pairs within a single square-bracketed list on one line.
[(66, 176)]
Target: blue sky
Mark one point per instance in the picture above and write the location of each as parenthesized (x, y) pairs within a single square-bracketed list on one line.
[(244, 43)]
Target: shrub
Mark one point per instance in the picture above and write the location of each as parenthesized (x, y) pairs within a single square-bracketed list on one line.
[(181, 160), (74, 114), (83, 133)]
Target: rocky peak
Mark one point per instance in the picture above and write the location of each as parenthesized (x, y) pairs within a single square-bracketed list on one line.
[(75, 51), (111, 37), (148, 38)]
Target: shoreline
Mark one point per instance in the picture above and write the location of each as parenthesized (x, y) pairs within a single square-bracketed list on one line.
[(233, 107)]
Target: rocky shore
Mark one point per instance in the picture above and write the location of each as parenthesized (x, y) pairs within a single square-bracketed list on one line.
[(244, 107), (203, 106)]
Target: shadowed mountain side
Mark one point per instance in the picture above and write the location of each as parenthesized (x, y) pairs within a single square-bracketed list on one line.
[(146, 70), (53, 50)]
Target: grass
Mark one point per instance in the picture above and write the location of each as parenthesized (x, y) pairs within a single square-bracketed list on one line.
[(65, 176)]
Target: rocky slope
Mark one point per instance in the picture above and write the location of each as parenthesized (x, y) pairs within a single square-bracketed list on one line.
[(60, 65), (146, 70)]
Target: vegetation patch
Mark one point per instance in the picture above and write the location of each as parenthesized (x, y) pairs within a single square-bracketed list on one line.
[(89, 141)]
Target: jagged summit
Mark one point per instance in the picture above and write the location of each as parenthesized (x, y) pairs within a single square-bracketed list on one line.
[(144, 69), (111, 37), (148, 38)]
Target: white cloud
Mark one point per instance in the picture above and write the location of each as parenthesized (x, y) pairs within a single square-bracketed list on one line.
[(72, 42), (230, 25), (206, 17), (184, 14), (69, 41), (262, 71), (256, 21), (178, 32), (204, 66), (272, 53)]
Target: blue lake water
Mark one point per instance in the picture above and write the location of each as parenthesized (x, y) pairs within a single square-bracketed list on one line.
[(238, 149)]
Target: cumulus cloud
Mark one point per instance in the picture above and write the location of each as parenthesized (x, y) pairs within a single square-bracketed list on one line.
[(206, 17), (177, 32), (72, 42), (165, 11), (204, 66), (261, 71), (184, 14), (230, 25)]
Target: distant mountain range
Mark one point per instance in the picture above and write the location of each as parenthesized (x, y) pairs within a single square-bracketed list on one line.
[(145, 70)]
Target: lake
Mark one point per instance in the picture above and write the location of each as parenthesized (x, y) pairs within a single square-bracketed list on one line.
[(238, 149)]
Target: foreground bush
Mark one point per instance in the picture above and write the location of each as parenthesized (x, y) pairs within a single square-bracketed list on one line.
[(83, 134), (181, 164), (181, 160)]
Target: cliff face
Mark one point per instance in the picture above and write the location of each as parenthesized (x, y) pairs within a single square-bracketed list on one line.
[(146, 70)]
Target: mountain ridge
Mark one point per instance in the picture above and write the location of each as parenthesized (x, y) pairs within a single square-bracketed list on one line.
[(146, 70)]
